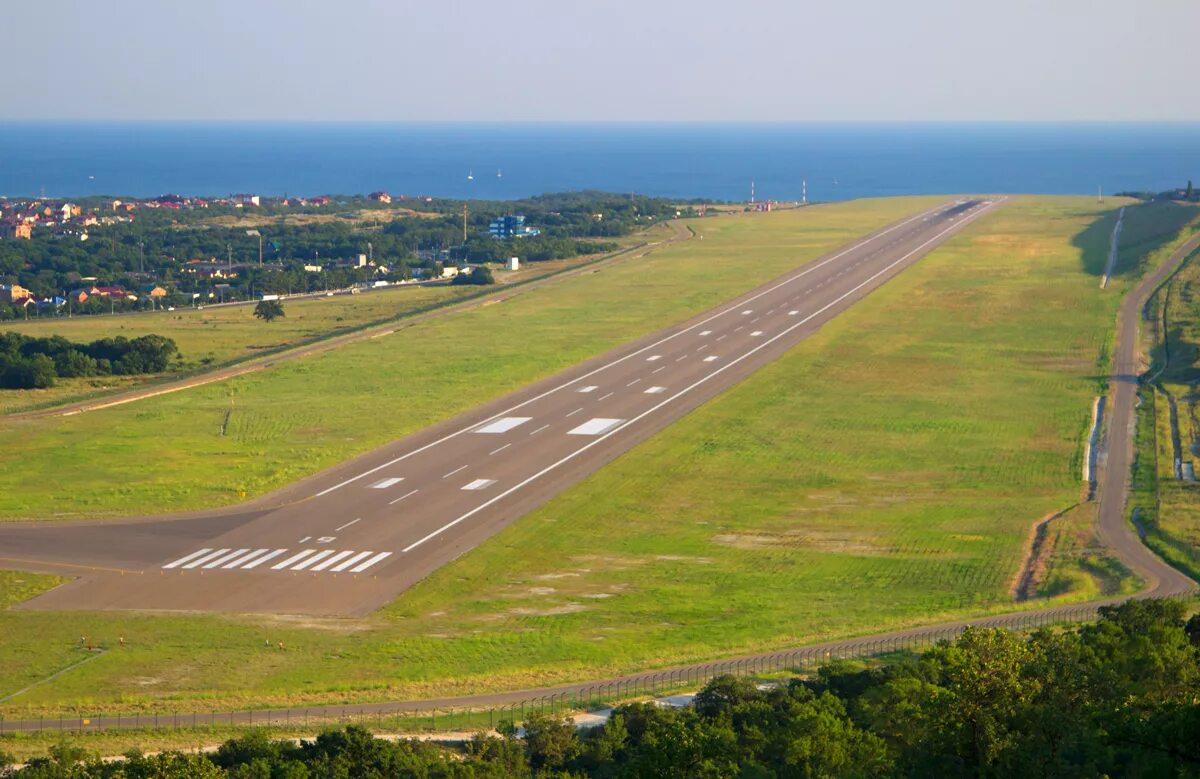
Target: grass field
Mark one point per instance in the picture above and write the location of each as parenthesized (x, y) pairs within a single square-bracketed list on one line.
[(310, 413), (885, 472)]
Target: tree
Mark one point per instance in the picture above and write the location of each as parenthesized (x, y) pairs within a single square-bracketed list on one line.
[(550, 741), (480, 275), (268, 310)]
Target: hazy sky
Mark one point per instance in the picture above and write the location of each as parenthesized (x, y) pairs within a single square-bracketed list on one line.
[(606, 59)]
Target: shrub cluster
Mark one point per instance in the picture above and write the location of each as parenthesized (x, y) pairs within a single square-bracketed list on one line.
[(35, 363)]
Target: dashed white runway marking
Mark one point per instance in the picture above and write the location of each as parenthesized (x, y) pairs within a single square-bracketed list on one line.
[(293, 559), (315, 558), (206, 558), (540, 429), (596, 426), (655, 391), (755, 319), (748, 312), (706, 332), (793, 312), (402, 497), (226, 558), (656, 370), (576, 411), (654, 357), (722, 337), (605, 397), (183, 560), (502, 425), (260, 560), (589, 388), (635, 381), (343, 527), (370, 562), (456, 470), (479, 484), (501, 449), (332, 560), (681, 358), (383, 484), (757, 332), (241, 559), (701, 347), (739, 327), (711, 358)]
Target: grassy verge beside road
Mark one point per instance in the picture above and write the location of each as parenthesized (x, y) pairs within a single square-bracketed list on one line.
[(310, 413), (884, 473)]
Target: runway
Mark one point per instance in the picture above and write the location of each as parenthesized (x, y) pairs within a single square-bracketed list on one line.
[(352, 538)]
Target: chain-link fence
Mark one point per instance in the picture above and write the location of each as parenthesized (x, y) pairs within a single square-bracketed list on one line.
[(486, 711)]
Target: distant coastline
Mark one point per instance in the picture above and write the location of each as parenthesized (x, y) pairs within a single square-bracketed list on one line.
[(837, 161)]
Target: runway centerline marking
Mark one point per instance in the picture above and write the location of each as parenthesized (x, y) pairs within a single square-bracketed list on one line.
[(801, 273), (348, 524), (479, 484), (576, 411), (681, 358), (723, 337), (655, 391), (747, 312), (603, 397), (456, 470), (402, 497), (756, 333), (540, 429), (635, 381), (706, 332), (711, 358), (501, 449), (589, 388), (654, 357), (622, 425), (656, 370), (502, 425), (793, 312), (383, 484)]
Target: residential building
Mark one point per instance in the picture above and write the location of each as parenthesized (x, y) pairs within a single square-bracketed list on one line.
[(13, 293), (16, 230), (511, 226), (246, 200)]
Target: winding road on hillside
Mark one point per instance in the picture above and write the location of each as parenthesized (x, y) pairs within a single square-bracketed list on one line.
[(352, 538)]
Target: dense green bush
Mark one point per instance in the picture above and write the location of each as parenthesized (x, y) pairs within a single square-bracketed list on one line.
[(34, 363)]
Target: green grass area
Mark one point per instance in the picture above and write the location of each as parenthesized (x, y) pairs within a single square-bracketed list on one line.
[(884, 473), (311, 413), (1078, 567)]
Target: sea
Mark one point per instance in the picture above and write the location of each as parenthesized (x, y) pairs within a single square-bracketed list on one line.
[(822, 161)]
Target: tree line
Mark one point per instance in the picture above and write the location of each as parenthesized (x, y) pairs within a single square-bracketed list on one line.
[(35, 363), (1119, 697)]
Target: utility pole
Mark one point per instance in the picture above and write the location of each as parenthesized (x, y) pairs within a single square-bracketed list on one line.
[(142, 256), (751, 191), (229, 256), (803, 192), (464, 224)]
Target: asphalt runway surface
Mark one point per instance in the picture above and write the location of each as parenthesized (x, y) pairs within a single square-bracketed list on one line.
[(353, 537)]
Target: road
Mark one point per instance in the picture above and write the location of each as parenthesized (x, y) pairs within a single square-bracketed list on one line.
[(1115, 532), (352, 538)]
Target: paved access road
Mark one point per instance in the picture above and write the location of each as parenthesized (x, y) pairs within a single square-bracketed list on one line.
[(352, 538)]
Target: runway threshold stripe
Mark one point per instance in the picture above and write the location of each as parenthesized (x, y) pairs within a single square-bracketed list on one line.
[(351, 561), (263, 559), (244, 558), (182, 560), (226, 558), (318, 556), (331, 561), (292, 559), (369, 563), (206, 558)]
